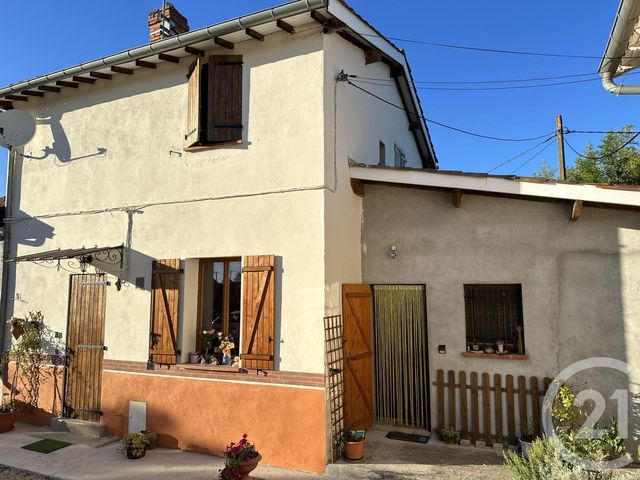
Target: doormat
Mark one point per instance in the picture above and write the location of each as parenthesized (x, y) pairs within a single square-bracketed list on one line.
[(46, 446), (407, 437)]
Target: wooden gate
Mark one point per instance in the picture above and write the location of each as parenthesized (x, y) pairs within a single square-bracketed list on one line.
[(85, 347), (358, 355), (334, 359)]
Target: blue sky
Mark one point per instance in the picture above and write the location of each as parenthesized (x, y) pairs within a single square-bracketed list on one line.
[(44, 36)]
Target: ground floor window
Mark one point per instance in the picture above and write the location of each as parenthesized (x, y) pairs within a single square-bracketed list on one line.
[(220, 292), (494, 318)]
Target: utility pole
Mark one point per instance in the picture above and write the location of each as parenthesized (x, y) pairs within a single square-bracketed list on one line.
[(560, 135)]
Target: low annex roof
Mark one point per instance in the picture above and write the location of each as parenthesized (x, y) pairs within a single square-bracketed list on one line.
[(334, 15), (530, 188)]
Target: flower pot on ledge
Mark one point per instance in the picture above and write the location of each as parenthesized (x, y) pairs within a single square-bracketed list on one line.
[(248, 466)]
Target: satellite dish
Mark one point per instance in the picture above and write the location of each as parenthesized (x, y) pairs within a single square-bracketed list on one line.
[(16, 128)]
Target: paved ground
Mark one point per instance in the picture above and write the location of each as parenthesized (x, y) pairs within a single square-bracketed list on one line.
[(385, 460)]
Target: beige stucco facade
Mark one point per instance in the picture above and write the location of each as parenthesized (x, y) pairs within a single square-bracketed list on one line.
[(580, 280)]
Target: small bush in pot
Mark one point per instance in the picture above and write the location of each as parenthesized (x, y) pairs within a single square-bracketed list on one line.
[(449, 435), (135, 445), (353, 441), (240, 459), (7, 414)]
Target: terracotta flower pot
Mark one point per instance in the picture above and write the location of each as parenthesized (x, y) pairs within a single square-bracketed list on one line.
[(354, 451), (248, 466), (7, 420), (132, 456)]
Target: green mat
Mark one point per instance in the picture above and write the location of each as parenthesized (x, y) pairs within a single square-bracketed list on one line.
[(46, 446)]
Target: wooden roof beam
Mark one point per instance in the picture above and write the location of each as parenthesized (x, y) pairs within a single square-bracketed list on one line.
[(168, 58), (100, 75), (372, 56), (253, 34), (124, 71), (32, 93), (282, 25), (17, 98), (194, 51), (576, 210), (457, 197), (145, 64), (80, 79), (6, 104), (223, 43), (65, 83), (318, 17), (49, 88)]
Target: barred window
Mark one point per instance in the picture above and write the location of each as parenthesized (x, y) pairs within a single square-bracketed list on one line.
[(494, 315)]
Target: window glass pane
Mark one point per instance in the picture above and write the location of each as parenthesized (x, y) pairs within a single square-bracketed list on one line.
[(217, 296), (235, 276)]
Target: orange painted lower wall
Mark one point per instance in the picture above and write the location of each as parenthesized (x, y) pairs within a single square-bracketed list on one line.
[(287, 424), (49, 397)]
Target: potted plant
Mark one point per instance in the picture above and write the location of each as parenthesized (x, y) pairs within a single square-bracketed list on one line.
[(353, 441), (194, 357), (135, 445), (226, 346), (7, 414), (240, 459), (526, 438), (449, 435), (152, 439), (208, 338)]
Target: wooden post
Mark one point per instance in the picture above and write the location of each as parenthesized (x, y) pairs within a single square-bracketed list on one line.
[(452, 399), (486, 408), (475, 421), (497, 383), (440, 381), (463, 405), (511, 411), (560, 134)]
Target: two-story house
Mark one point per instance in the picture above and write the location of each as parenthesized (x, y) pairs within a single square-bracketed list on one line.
[(197, 182)]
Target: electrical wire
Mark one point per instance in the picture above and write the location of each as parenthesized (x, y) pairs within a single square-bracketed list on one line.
[(521, 154), (510, 87), (450, 127), (608, 155), (532, 157), (481, 82), (488, 50)]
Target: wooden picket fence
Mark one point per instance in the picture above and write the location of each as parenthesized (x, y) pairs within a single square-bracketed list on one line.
[(487, 405)]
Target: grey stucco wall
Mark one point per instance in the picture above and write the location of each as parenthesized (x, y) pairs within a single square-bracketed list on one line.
[(580, 280)]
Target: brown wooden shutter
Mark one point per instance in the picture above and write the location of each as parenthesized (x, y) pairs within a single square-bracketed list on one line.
[(165, 308), (224, 120), (193, 110), (258, 311)]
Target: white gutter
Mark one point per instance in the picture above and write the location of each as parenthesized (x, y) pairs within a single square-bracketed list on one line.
[(623, 27), (497, 185), (173, 43)]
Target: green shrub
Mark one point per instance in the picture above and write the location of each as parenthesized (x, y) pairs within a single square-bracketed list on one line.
[(544, 463)]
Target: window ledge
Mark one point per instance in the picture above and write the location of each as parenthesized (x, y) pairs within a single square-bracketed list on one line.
[(499, 356), (213, 146), (200, 367)]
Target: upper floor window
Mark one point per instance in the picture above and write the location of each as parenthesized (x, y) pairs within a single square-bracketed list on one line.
[(215, 101), (494, 317), (400, 160)]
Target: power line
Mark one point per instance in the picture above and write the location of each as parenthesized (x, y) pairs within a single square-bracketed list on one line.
[(610, 154), (521, 154), (511, 87), (450, 127), (532, 157), (474, 82), (489, 50), (600, 131)]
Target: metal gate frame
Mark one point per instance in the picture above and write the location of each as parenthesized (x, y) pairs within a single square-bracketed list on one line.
[(334, 381)]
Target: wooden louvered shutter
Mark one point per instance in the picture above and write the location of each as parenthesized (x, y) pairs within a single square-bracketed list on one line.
[(165, 308), (258, 311), (193, 109), (224, 119)]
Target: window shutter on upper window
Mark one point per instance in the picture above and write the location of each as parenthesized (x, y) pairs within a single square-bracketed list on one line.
[(224, 119), (193, 109), (258, 312), (165, 308)]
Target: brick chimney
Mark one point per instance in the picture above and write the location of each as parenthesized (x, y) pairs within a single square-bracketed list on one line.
[(174, 23)]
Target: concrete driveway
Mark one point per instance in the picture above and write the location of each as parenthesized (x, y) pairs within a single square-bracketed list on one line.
[(384, 459)]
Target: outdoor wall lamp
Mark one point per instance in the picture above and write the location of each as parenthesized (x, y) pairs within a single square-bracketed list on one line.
[(84, 261), (393, 251)]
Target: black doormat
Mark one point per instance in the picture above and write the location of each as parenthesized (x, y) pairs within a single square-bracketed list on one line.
[(46, 446), (407, 437)]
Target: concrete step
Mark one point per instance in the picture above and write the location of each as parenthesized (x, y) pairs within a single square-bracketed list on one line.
[(78, 427)]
